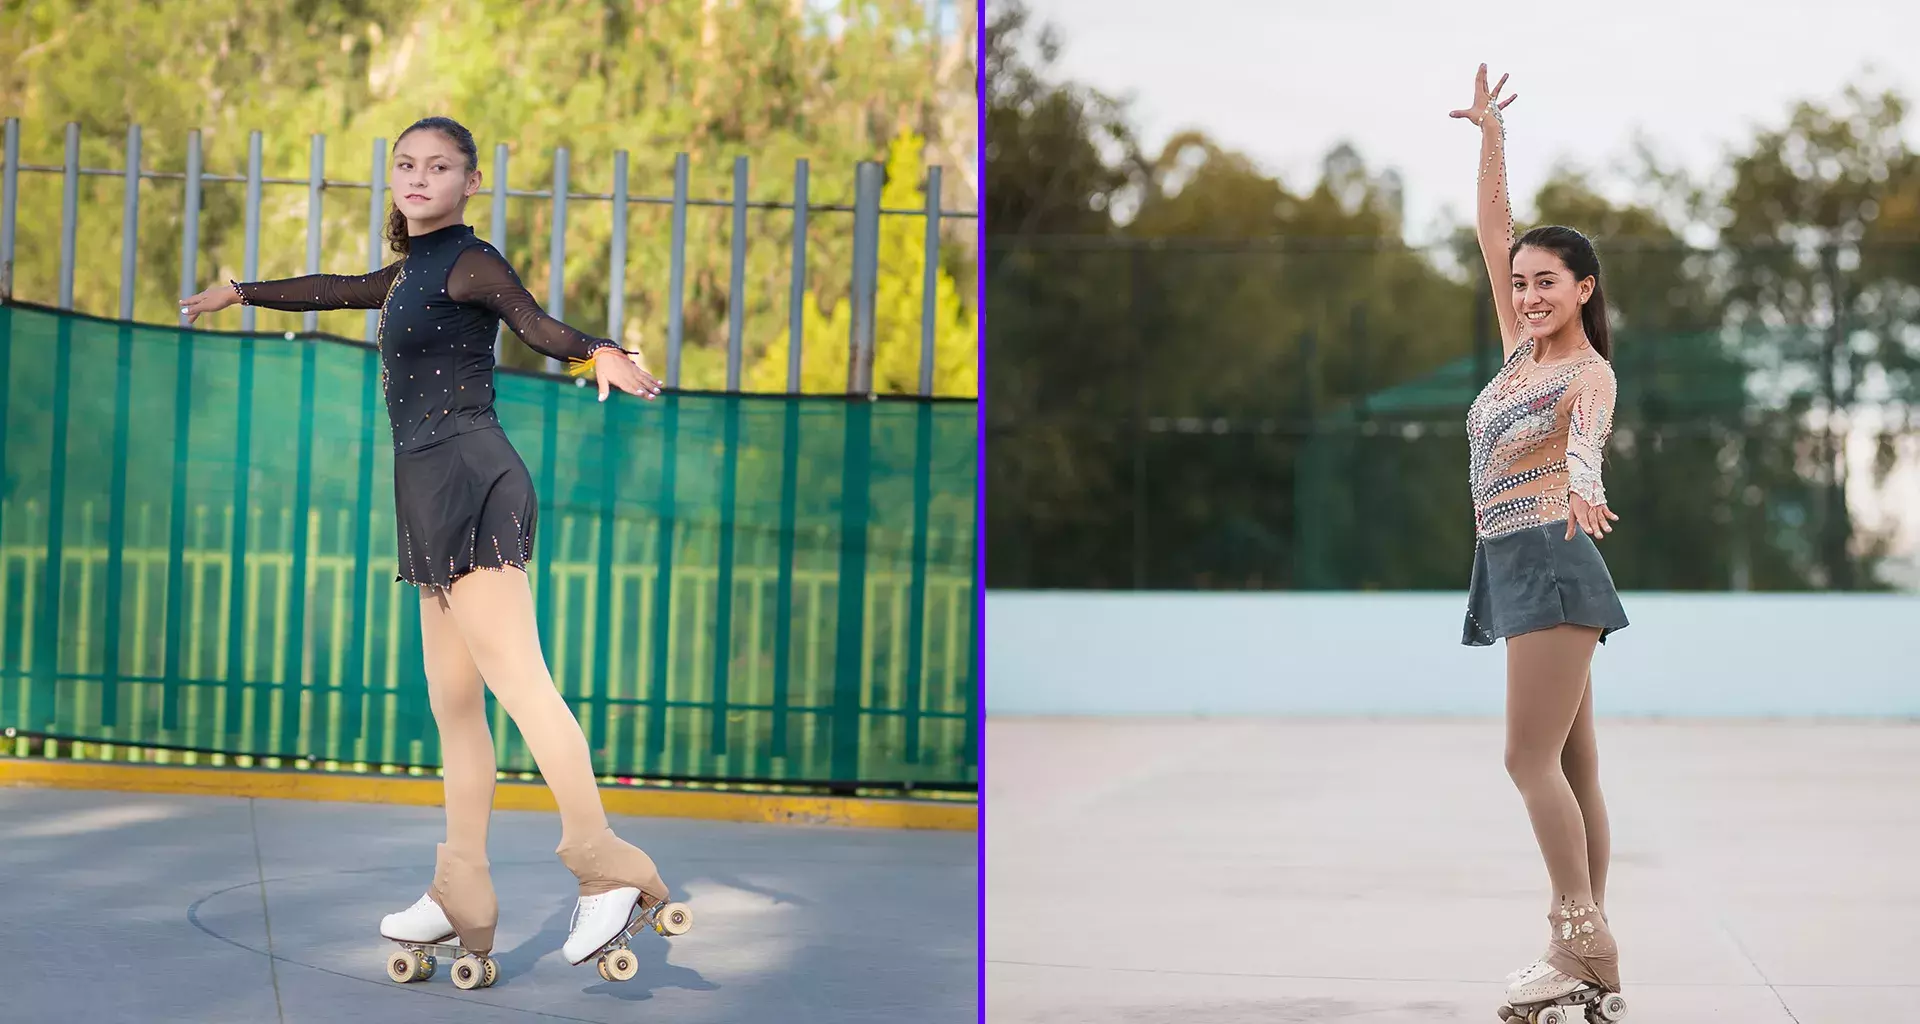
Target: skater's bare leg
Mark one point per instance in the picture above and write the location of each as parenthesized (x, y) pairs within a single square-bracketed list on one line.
[(1580, 761), (457, 695), (495, 612), (1547, 676)]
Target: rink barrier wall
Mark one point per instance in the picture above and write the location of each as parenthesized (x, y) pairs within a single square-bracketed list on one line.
[(757, 808), (1718, 655)]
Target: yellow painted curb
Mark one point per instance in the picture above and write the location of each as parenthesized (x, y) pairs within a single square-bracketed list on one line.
[(267, 784)]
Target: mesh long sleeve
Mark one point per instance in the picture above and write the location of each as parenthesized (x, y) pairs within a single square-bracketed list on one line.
[(321, 291), (1589, 423), (483, 277)]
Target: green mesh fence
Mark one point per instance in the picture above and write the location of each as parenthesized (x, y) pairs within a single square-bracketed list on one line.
[(729, 587)]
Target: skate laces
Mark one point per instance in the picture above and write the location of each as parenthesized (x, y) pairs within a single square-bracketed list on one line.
[(582, 907)]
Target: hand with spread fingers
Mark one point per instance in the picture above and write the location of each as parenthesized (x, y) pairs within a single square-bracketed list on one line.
[(1592, 519), (618, 368), (1484, 101)]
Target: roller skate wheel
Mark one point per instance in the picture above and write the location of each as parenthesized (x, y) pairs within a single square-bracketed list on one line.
[(1505, 1013), (493, 972), (620, 965), (405, 966), (1611, 1008), (602, 965), (428, 965), (469, 972), (673, 919), (1552, 1015)]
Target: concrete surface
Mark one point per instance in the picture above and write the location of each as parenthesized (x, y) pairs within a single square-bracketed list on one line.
[(1383, 871), (149, 908)]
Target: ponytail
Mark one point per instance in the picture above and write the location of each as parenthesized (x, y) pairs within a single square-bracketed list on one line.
[(397, 239), (1593, 317)]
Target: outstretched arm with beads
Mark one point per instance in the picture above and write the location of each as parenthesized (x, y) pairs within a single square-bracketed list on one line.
[(483, 277), (1493, 219), (297, 294)]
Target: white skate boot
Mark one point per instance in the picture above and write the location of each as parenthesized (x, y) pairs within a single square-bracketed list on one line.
[(456, 917), (422, 922), (1545, 993), (620, 893)]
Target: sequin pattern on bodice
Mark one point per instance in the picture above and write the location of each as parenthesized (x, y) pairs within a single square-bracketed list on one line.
[(1535, 433), (440, 308)]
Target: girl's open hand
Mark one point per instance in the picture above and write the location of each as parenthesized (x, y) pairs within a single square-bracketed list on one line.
[(212, 300), (1592, 519), (617, 368), (1483, 99)]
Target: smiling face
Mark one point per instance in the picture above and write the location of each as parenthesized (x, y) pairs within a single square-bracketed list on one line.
[(1546, 296), (430, 179)]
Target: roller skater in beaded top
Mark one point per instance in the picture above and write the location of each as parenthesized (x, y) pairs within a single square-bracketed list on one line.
[(466, 512), (1536, 435)]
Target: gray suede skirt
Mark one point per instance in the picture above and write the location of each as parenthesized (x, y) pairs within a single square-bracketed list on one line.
[(1536, 579)]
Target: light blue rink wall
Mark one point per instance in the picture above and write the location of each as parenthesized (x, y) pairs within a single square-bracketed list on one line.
[(1719, 655)]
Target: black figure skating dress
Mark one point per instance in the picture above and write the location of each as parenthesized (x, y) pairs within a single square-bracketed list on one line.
[(463, 499)]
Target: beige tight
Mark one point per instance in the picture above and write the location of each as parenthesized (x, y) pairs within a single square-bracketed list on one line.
[(1554, 759), (484, 629)]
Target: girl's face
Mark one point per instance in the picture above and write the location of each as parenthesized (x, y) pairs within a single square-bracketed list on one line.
[(430, 179), (1546, 297)]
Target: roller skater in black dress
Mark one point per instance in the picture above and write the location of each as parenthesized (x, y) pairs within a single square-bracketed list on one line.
[(466, 513)]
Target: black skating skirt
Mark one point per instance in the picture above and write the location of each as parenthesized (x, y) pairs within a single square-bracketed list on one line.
[(1536, 579), (465, 503)]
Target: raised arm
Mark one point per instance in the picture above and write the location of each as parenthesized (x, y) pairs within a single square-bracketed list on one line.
[(1493, 216), (484, 277), (321, 291)]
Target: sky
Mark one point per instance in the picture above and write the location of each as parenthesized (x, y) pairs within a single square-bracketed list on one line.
[(1283, 81)]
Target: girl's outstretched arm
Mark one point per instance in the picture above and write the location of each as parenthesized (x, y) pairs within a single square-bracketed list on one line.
[(297, 294)]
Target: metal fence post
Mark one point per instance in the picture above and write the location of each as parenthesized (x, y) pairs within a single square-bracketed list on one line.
[(929, 285), (677, 272), (617, 258), (797, 290), (69, 212), (250, 268), (737, 280), (316, 215), (376, 226), (9, 203), (557, 251), (867, 182), (190, 223), (130, 224)]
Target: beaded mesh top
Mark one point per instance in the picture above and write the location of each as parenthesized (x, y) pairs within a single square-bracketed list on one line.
[(440, 307), (1535, 433)]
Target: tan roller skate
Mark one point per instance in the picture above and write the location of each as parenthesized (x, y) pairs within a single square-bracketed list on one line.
[(1578, 979), (620, 892), (455, 918)]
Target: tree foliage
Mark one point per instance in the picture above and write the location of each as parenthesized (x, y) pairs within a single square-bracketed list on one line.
[(772, 80), (1200, 377)]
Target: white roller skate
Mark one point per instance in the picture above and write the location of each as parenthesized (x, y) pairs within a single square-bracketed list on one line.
[(1548, 992), (620, 893), (1543, 994), (429, 929)]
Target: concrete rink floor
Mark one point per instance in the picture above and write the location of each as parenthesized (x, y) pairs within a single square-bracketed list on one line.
[(124, 907), (1378, 872)]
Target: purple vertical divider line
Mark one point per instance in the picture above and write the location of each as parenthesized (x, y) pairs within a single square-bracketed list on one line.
[(980, 485)]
